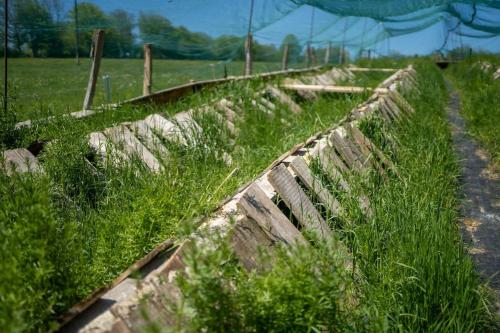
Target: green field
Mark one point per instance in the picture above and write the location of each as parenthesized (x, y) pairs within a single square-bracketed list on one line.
[(73, 229), (45, 87)]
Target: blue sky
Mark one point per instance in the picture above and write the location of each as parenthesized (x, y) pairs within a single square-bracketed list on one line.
[(218, 17)]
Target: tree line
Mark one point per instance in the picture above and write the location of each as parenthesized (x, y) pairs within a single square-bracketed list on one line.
[(44, 28)]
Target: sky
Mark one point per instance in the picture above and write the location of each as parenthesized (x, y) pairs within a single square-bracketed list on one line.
[(274, 19)]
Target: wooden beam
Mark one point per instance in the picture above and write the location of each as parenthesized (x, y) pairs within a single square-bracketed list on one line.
[(372, 69), (98, 44), (326, 88), (148, 70), (332, 88)]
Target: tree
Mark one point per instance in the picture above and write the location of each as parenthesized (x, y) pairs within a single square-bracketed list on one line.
[(228, 47), (90, 17), (156, 29), (32, 25), (120, 38), (294, 48)]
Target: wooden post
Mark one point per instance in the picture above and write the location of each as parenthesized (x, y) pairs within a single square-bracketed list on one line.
[(342, 55), (369, 54), (327, 53), (284, 62), (225, 71), (148, 70), (248, 55), (97, 46)]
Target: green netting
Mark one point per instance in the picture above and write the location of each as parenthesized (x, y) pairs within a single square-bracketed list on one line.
[(211, 34)]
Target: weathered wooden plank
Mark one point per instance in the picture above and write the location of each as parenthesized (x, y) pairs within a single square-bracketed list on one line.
[(148, 70), (20, 160), (298, 202), (362, 139), (256, 205), (165, 128), (97, 48), (342, 146), (371, 69), (364, 147), (386, 108), (326, 88), (283, 98), (401, 102), (100, 144), (152, 142), (301, 169), (302, 93), (190, 129), (123, 138), (331, 154), (267, 103), (330, 169)]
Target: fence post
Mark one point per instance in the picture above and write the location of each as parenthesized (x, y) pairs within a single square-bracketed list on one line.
[(284, 62), (248, 55), (148, 70), (327, 53), (97, 46)]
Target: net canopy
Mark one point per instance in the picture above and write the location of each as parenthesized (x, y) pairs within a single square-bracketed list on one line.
[(210, 36), (200, 29)]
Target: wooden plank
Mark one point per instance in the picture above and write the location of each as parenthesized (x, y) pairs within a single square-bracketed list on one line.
[(255, 204), (267, 103), (330, 169), (361, 138), (104, 148), (326, 88), (98, 44), (401, 102), (298, 202), (332, 172), (189, 128), (165, 128), (301, 169), (151, 141), (123, 138), (283, 98), (148, 70), (364, 146), (372, 69), (338, 142), (302, 93), (20, 160)]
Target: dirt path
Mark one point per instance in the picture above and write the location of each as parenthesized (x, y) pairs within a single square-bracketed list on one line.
[(481, 200)]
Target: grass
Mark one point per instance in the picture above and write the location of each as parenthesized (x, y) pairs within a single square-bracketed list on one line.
[(75, 228), (50, 86), (480, 103), (412, 271)]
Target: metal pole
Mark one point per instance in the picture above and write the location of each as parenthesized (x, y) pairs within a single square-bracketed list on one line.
[(5, 55), (77, 35), (309, 50), (248, 43)]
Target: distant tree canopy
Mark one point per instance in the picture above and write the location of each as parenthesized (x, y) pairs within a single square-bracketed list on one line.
[(43, 28)]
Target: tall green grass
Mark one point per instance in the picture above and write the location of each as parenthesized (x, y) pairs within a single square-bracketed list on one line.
[(480, 102), (412, 272), (76, 227)]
